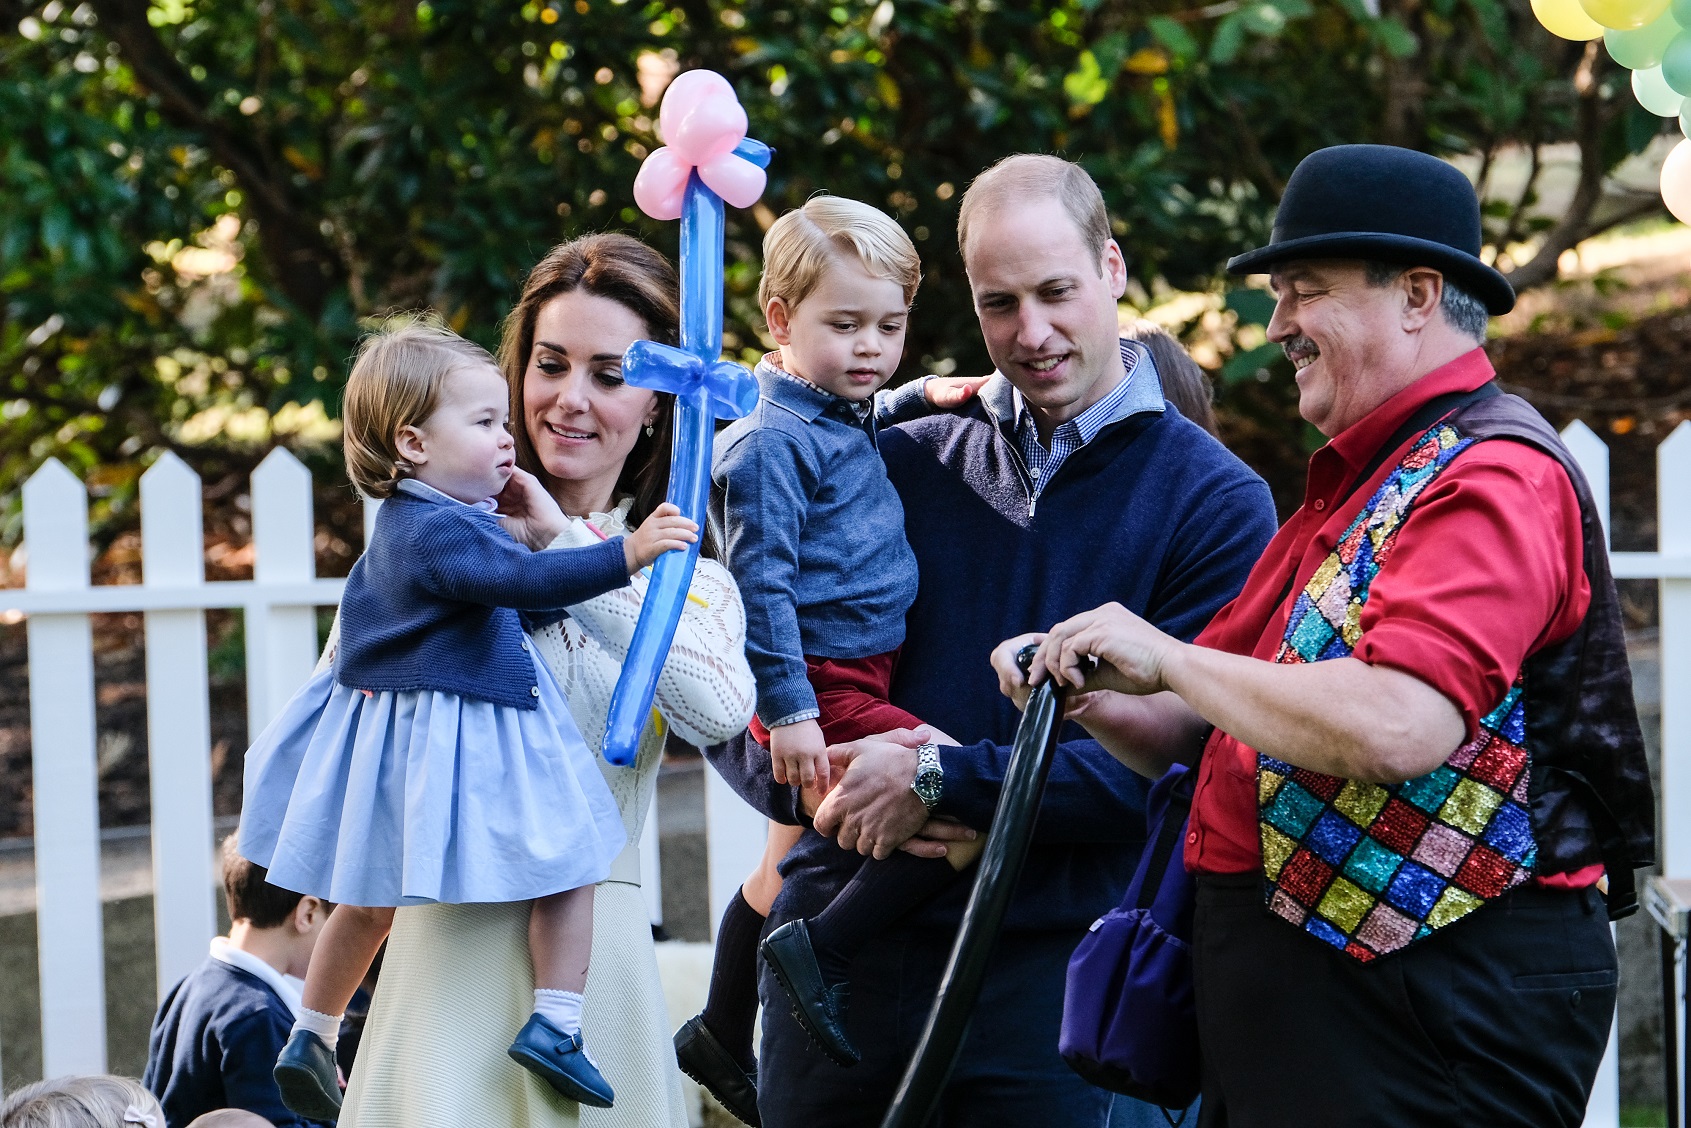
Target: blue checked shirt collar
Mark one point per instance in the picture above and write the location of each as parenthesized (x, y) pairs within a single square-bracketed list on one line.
[(1140, 390), (802, 398)]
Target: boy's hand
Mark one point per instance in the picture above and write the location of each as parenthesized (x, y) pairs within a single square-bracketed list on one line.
[(952, 391), (666, 530), (528, 512), (799, 755)]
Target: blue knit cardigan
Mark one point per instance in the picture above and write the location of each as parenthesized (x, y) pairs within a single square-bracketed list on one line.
[(432, 604)]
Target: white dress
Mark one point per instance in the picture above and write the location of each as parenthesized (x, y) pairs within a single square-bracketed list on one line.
[(456, 984)]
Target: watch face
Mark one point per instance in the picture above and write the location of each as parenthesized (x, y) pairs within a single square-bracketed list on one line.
[(927, 786)]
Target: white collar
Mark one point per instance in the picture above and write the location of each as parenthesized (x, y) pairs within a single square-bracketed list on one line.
[(288, 988), (423, 490)]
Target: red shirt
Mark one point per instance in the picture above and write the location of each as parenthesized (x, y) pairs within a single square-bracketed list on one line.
[(1488, 569)]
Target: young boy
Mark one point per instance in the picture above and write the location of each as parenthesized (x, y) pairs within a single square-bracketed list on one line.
[(217, 1034), (815, 539)]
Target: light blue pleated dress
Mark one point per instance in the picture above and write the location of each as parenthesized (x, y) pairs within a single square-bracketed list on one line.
[(406, 798)]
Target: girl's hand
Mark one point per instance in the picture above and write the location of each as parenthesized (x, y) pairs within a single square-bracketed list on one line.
[(666, 530), (1131, 653), (799, 755), (951, 391), (528, 512)]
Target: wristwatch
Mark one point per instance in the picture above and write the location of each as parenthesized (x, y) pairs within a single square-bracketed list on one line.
[(930, 779)]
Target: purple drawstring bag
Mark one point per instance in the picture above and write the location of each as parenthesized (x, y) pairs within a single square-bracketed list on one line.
[(1129, 1022)]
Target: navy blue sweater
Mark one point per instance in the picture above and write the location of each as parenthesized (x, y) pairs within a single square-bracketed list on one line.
[(1153, 513), (430, 603), (213, 1045)]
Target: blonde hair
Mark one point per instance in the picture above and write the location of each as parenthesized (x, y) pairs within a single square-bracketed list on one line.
[(395, 382), (1036, 176), (100, 1101), (803, 243), (229, 1118)]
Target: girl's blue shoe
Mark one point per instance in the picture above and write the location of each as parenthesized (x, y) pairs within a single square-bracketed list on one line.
[(558, 1058), (305, 1073)]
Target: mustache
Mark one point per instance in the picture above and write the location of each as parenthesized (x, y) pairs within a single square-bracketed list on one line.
[(1299, 345)]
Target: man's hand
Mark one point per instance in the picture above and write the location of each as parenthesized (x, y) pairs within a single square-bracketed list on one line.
[(798, 753), (1012, 683), (872, 809), (935, 833), (1130, 652)]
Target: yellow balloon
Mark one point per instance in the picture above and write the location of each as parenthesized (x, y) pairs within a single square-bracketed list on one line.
[(1676, 181), (1566, 19), (1624, 15)]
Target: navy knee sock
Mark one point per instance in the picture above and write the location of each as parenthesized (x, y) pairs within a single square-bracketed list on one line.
[(879, 893), (731, 1007)]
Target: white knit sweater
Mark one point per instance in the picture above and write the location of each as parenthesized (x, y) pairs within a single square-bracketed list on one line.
[(456, 981)]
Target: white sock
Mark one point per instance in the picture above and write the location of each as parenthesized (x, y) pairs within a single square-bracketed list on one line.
[(327, 1027), (561, 1008)]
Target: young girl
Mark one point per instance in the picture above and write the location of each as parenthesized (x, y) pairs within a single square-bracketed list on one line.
[(815, 539), (436, 761)]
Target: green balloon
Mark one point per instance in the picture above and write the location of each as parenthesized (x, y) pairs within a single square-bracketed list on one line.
[(1681, 11), (1654, 94), (1676, 63), (1685, 120), (1643, 47)]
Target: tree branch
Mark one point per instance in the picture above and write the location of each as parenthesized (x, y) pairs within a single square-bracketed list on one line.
[(300, 258)]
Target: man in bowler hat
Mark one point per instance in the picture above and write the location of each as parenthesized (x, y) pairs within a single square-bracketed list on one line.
[(1421, 779)]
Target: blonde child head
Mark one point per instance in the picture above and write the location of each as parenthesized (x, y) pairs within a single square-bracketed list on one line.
[(802, 244), (396, 382), (100, 1101)]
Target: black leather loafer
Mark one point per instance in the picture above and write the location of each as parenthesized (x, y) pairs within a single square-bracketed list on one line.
[(706, 1060), (559, 1060), (305, 1072), (819, 1006)]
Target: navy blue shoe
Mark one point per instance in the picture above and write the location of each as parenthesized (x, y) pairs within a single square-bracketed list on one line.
[(558, 1059), (305, 1072), (819, 1006)]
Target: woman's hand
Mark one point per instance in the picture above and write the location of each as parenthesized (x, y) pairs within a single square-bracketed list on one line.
[(528, 512), (1130, 652), (666, 530), (951, 391)]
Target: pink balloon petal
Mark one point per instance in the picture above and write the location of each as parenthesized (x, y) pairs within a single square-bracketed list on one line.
[(686, 91), (661, 184), (737, 181), (710, 129)]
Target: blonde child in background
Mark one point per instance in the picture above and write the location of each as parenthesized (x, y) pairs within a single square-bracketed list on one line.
[(436, 760)]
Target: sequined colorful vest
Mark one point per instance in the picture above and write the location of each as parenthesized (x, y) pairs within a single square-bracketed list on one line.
[(1370, 869)]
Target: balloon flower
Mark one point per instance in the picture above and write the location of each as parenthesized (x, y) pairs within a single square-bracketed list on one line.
[(706, 159)]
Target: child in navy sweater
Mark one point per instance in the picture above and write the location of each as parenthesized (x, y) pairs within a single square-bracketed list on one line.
[(436, 761), (815, 539), (217, 1033)]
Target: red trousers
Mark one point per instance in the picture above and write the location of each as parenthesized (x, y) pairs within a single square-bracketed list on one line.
[(852, 694)]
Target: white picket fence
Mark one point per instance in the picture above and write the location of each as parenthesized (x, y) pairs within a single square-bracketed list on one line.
[(279, 606)]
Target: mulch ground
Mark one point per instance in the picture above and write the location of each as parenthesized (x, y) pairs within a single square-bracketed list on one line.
[(1631, 385)]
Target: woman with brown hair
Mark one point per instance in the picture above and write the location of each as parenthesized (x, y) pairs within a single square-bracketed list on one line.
[(453, 972)]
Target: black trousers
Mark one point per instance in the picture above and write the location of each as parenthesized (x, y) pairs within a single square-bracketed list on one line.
[(1008, 1074), (1499, 1019)]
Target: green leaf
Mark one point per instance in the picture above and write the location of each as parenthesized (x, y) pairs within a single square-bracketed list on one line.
[(1229, 38), (1245, 365), (1253, 306), (1398, 40), (1172, 35), (1086, 84)]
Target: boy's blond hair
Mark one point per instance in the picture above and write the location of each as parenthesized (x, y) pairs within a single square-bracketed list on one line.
[(395, 382), (801, 245)]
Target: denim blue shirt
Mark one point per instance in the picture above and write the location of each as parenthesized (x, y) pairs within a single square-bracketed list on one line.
[(815, 538)]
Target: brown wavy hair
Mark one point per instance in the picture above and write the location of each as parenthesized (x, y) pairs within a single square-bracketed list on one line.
[(628, 272)]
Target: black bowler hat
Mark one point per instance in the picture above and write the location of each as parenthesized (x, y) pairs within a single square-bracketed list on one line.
[(1385, 203)]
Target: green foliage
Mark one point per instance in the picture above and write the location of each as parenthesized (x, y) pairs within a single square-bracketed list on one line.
[(373, 155)]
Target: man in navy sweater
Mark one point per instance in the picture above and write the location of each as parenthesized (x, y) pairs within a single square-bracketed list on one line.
[(217, 1034), (1068, 482)]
